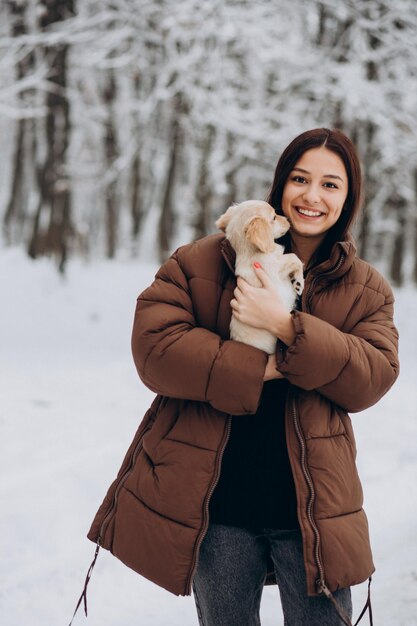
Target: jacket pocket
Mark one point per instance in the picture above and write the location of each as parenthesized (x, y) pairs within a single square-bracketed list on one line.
[(164, 420), (347, 425)]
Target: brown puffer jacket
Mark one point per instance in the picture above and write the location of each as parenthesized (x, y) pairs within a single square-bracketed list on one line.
[(344, 358)]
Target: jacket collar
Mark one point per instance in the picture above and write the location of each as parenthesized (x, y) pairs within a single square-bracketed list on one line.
[(340, 261), (228, 254)]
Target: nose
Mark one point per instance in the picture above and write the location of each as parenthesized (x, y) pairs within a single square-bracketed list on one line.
[(311, 194)]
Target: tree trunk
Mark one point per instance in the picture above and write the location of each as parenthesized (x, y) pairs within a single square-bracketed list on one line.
[(136, 206), (204, 191), (15, 213), (369, 153), (52, 225), (111, 153), (398, 206), (231, 195), (415, 230), (166, 220)]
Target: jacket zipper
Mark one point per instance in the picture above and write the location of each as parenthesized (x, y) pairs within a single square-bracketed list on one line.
[(335, 268), (320, 582), (119, 485), (312, 497), (204, 528)]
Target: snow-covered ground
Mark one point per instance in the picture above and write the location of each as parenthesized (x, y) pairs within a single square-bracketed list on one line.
[(70, 401)]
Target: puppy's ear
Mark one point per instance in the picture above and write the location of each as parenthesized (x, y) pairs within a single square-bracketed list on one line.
[(224, 219), (259, 233)]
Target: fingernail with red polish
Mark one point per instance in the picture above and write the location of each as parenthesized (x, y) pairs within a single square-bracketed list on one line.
[(257, 265)]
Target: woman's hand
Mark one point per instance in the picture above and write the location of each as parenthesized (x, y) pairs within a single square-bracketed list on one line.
[(262, 307)]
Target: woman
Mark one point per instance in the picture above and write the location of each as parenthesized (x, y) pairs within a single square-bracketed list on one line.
[(285, 504)]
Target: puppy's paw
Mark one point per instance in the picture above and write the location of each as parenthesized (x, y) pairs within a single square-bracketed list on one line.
[(298, 288), (297, 282)]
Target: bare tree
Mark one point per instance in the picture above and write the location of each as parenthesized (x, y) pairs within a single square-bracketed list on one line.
[(204, 191), (52, 224), (399, 205), (111, 152), (15, 214)]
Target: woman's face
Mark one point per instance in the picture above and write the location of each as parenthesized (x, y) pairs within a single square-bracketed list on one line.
[(314, 193)]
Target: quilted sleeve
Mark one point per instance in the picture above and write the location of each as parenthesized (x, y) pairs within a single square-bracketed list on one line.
[(353, 369), (176, 358)]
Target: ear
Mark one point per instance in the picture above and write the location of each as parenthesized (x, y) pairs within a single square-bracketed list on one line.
[(258, 232), (224, 219)]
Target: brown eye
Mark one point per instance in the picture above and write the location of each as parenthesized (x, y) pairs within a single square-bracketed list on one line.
[(298, 179)]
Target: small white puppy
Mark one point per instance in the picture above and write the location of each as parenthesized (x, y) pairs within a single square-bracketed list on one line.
[(251, 228)]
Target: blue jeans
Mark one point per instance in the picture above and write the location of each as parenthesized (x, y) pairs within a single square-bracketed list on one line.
[(231, 573)]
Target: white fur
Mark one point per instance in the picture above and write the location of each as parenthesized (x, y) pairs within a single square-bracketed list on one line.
[(251, 228)]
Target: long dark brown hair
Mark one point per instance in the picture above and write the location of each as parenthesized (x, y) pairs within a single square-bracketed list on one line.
[(340, 144)]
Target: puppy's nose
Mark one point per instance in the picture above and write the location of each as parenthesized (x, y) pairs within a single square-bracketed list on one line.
[(282, 222)]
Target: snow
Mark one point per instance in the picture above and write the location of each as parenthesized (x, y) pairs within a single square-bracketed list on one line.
[(70, 404)]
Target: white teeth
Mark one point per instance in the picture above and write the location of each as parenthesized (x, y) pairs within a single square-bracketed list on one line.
[(308, 213)]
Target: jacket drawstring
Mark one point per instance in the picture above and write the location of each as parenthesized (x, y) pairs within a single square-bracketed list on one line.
[(87, 580), (341, 613), (368, 606), (345, 619)]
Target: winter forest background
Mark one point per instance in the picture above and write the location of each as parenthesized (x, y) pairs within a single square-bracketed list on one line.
[(127, 126)]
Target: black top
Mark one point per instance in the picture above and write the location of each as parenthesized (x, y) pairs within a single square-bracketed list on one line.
[(256, 486)]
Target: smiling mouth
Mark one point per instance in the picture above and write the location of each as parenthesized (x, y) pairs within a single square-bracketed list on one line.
[(308, 212)]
